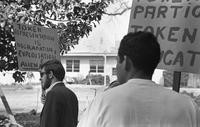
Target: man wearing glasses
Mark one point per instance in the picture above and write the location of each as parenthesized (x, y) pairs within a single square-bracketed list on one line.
[(61, 104)]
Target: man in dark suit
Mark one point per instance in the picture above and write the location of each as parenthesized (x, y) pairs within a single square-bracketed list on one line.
[(61, 104)]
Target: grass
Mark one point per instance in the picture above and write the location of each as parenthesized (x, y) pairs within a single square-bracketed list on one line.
[(22, 100), (25, 102)]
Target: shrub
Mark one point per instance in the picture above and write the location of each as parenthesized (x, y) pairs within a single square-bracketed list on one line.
[(95, 80), (28, 86), (99, 79)]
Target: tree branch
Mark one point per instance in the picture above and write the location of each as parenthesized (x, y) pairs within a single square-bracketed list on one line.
[(118, 13)]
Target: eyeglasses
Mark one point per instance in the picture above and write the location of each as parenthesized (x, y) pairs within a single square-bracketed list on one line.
[(42, 73)]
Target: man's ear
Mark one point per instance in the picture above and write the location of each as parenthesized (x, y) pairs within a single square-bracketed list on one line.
[(51, 75), (128, 64)]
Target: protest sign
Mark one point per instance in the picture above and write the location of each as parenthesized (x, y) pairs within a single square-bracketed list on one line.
[(35, 45), (176, 25)]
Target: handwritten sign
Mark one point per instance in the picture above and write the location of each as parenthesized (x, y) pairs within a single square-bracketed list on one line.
[(176, 25), (35, 45)]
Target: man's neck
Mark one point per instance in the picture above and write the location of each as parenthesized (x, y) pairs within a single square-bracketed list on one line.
[(52, 85), (140, 76), (53, 81)]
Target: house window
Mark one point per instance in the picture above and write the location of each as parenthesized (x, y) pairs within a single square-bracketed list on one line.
[(114, 71), (96, 66), (73, 65), (69, 66), (76, 65)]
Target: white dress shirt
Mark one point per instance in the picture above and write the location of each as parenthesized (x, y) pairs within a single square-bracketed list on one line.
[(141, 103)]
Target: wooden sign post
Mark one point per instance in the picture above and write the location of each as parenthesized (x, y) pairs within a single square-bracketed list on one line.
[(5, 103), (8, 110), (176, 81)]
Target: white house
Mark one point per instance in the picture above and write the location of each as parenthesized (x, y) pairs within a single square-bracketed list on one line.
[(80, 64)]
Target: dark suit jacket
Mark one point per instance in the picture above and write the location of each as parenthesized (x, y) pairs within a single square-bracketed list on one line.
[(60, 108)]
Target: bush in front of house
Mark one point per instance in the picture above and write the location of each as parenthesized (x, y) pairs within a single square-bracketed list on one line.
[(99, 79), (95, 80)]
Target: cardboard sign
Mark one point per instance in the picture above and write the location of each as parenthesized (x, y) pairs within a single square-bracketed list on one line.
[(176, 25), (35, 45)]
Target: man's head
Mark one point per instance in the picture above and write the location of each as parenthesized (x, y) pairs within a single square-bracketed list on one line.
[(138, 56), (50, 72)]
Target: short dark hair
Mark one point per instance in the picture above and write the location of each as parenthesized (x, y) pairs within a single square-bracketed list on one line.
[(56, 67), (143, 49)]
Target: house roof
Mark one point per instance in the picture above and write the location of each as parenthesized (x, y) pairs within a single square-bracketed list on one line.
[(89, 54)]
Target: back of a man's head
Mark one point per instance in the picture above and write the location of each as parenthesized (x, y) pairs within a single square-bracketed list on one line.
[(143, 49), (56, 67)]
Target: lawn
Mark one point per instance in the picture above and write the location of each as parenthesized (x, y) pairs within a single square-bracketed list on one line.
[(26, 106), (25, 101)]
